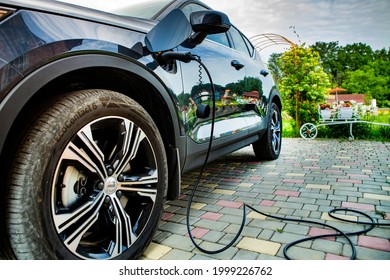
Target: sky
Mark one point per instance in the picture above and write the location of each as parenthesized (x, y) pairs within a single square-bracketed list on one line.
[(304, 21), (344, 21)]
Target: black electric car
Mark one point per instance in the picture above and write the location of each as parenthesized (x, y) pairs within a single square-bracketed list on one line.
[(102, 111)]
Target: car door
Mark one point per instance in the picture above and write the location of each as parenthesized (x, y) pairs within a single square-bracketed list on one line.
[(257, 83), (228, 74), (218, 59)]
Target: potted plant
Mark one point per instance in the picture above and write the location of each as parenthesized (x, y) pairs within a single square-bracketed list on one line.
[(325, 111), (345, 111)]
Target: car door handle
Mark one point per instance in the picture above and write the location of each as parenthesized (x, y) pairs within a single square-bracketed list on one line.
[(236, 64)]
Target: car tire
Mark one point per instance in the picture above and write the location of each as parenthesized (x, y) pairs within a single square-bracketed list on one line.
[(87, 181), (269, 146)]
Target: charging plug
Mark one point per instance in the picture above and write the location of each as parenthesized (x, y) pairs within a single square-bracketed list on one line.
[(169, 57)]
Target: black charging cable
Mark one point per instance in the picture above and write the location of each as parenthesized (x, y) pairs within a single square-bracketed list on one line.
[(198, 59), (187, 57)]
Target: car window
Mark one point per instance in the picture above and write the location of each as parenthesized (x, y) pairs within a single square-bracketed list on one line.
[(190, 8), (238, 40), (219, 38), (251, 48)]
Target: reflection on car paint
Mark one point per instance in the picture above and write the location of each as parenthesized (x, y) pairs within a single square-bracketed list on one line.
[(236, 110), (225, 126)]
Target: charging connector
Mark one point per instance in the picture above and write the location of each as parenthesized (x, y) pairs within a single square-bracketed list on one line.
[(169, 57)]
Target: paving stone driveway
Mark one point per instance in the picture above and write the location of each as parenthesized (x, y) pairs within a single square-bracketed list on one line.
[(309, 179)]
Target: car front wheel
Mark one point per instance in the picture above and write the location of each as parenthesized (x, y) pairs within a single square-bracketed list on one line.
[(87, 181)]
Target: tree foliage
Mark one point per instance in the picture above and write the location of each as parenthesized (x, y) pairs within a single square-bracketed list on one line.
[(248, 84), (274, 67), (328, 52), (303, 83), (337, 60), (372, 79), (358, 69)]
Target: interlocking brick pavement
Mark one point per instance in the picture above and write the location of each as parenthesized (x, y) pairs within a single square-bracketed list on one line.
[(309, 179)]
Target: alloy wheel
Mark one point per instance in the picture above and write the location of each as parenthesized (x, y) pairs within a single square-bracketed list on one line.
[(276, 131), (104, 188)]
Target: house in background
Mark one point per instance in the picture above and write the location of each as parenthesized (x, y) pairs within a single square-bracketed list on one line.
[(358, 98), (339, 95), (251, 97)]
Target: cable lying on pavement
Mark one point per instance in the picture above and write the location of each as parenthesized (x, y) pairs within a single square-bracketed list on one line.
[(332, 213)]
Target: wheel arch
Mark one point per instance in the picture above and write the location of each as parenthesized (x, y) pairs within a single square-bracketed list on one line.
[(90, 71), (275, 98)]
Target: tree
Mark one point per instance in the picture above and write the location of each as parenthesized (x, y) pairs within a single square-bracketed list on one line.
[(358, 69), (355, 56), (372, 79), (338, 60), (382, 54), (328, 55), (274, 66), (303, 83), (248, 84)]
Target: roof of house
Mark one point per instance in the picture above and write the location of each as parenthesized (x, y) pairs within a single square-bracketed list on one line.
[(254, 93), (359, 98)]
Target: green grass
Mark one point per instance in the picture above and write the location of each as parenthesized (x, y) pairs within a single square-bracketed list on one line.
[(288, 130)]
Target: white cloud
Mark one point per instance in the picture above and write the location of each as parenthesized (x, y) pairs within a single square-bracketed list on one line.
[(348, 21)]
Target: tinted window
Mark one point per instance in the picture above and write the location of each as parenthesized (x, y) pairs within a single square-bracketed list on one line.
[(251, 48), (219, 38), (239, 43), (190, 8)]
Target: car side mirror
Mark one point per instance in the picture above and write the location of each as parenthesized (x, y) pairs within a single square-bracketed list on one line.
[(169, 33), (204, 23), (175, 29), (210, 22)]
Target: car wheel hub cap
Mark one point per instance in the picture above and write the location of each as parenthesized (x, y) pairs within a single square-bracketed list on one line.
[(110, 185), (276, 132)]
